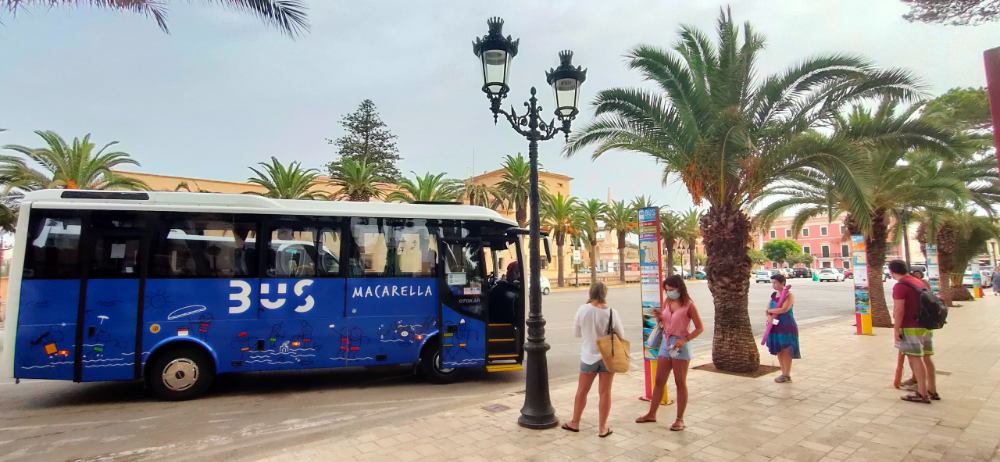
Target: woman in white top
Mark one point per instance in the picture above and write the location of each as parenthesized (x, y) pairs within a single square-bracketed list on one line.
[(590, 324)]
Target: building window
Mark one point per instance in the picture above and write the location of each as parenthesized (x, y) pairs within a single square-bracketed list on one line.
[(773, 234), (847, 264), (845, 251), (843, 230), (788, 233), (826, 251), (806, 249), (805, 232), (826, 264), (822, 230)]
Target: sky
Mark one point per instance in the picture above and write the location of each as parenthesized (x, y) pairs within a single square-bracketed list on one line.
[(223, 91)]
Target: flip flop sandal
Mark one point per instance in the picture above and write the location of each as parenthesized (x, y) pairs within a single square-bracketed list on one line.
[(644, 419), (915, 398), (605, 435), (935, 396), (677, 426), (566, 426)]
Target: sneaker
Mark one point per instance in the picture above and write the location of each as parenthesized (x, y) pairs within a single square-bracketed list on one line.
[(782, 379)]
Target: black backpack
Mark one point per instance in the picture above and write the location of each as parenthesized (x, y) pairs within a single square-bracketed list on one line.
[(933, 313)]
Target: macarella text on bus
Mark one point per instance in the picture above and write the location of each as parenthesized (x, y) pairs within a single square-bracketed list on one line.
[(395, 290)]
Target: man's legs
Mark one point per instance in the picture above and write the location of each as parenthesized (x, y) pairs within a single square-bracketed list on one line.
[(917, 366), (930, 373)]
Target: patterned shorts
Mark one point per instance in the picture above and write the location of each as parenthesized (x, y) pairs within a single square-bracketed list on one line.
[(916, 341)]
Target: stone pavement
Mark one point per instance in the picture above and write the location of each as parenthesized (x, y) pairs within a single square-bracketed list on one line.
[(841, 406)]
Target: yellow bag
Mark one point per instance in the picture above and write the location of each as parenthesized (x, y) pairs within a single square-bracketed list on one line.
[(614, 349)]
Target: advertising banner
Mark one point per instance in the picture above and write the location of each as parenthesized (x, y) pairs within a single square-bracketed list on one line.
[(862, 303), (651, 274)]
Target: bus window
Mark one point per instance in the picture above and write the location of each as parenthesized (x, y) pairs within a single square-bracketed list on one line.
[(205, 246), (329, 252), (415, 249), (369, 251), (54, 248), (116, 246), (292, 253)]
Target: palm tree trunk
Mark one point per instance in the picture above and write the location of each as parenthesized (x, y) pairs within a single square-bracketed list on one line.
[(945, 241), (726, 234), (958, 291), (593, 264), (670, 256), (521, 214), (944, 289), (875, 249), (621, 256), (559, 263), (691, 257)]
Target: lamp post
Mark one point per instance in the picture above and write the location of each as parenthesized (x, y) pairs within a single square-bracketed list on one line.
[(495, 53)]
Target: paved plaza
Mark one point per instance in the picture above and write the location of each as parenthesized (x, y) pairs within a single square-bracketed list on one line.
[(840, 406)]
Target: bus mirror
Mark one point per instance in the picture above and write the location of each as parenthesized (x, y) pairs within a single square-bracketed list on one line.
[(548, 253)]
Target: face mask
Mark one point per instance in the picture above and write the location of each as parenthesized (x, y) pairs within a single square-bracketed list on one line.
[(673, 294)]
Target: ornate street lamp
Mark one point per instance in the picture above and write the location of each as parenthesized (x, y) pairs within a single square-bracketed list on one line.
[(495, 52)]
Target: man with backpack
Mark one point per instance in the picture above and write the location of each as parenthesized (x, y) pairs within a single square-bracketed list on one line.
[(913, 338)]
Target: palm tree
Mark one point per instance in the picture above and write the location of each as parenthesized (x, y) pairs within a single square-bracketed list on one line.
[(482, 195), (621, 219), (285, 182), (287, 15), (728, 134), (641, 202), (689, 232), (588, 217), (670, 231), (897, 164), (357, 180), (515, 185), (79, 165), (427, 188), (558, 214)]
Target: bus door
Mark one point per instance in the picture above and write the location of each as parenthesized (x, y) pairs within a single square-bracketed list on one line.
[(113, 271), (464, 305), (506, 300)]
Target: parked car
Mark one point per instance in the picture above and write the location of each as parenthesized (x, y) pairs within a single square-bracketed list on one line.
[(967, 279), (700, 275), (543, 282), (829, 274), (801, 273), (848, 273), (761, 276)]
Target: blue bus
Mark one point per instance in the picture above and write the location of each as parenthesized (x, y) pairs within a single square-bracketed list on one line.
[(174, 288)]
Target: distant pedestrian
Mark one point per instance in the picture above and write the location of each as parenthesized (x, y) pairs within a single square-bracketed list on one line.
[(675, 318), (995, 280), (913, 341), (592, 323), (783, 338)]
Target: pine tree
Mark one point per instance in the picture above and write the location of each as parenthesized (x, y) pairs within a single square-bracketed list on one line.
[(367, 139)]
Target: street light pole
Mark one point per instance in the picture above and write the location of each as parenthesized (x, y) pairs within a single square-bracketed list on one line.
[(495, 53)]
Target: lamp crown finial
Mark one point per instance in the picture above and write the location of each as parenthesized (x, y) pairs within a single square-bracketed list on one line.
[(566, 57), (495, 24)]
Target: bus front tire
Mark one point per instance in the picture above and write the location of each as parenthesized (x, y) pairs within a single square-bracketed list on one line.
[(182, 373), (431, 368)]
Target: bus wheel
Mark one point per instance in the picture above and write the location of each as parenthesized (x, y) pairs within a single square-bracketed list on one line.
[(431, 367), (182, 373)]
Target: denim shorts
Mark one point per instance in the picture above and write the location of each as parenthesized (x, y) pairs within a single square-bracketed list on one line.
[(593, 368), (667, 349)]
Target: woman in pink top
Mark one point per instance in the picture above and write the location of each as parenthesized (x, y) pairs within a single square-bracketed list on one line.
[(674, 354)]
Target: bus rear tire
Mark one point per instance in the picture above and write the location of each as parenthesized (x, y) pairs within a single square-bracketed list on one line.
[(182, 373), (431, 368)]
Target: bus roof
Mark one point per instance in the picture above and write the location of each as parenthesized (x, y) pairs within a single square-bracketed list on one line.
[(248, 203)]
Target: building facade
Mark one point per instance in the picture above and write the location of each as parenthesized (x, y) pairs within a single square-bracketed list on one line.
[(828, 242)]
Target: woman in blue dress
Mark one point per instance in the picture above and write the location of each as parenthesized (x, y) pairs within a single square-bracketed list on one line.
[(783, 338)]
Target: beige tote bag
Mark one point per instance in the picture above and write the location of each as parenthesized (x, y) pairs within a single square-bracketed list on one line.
[(614, 349)]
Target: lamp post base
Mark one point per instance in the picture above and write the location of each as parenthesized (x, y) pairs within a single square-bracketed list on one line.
[(538, 422)]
